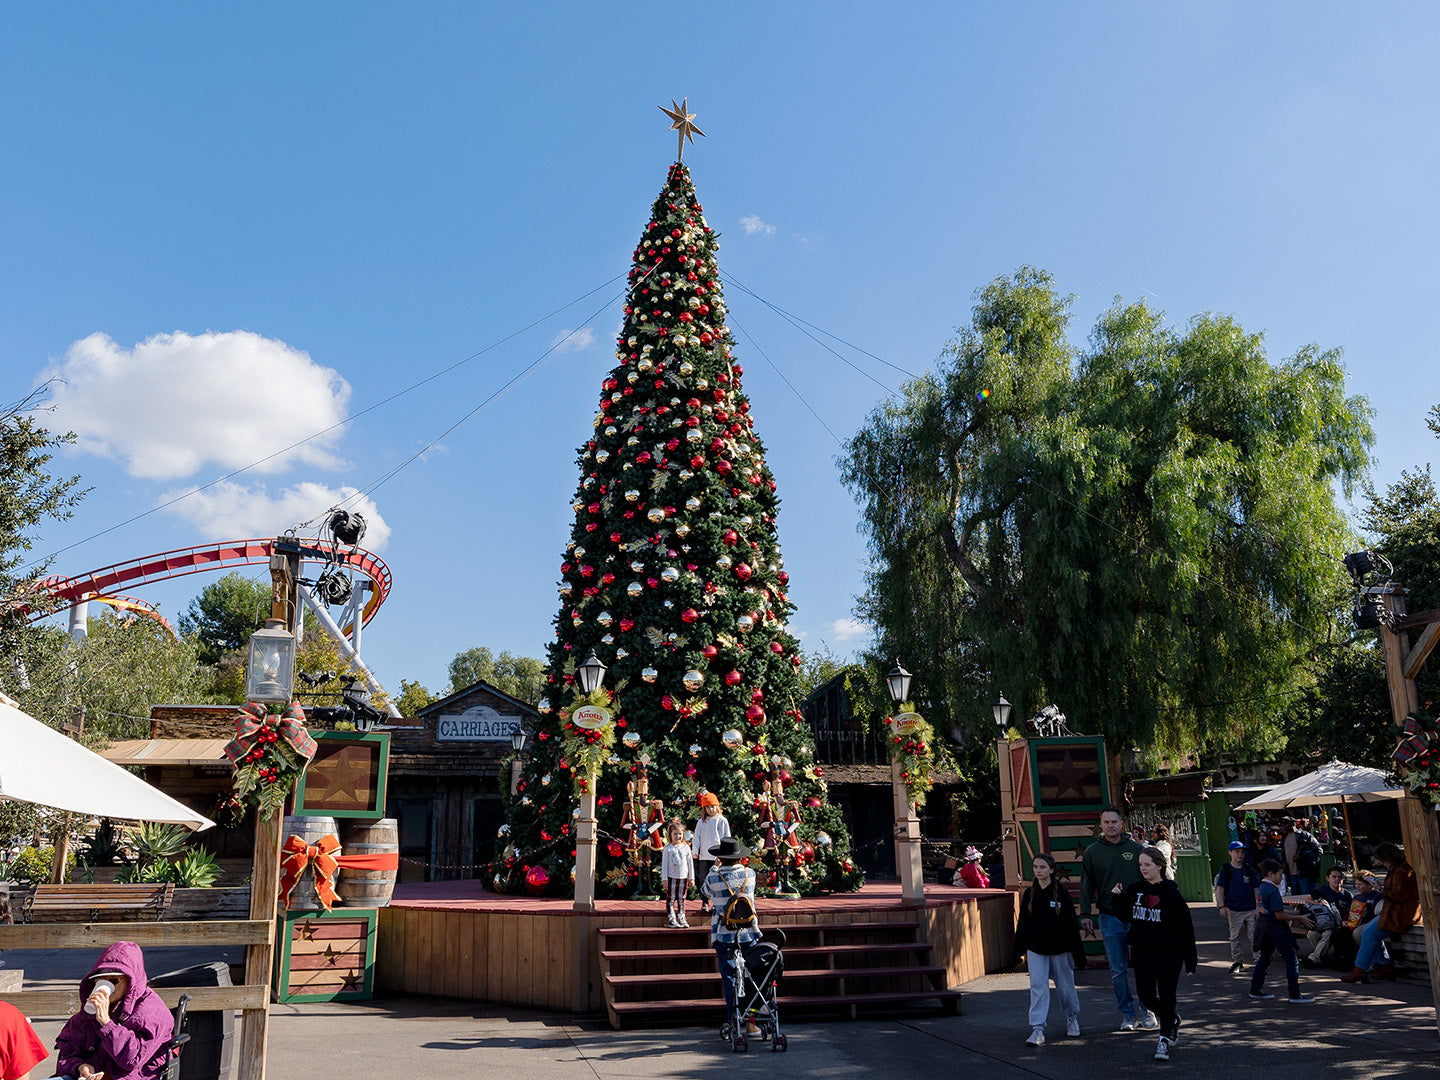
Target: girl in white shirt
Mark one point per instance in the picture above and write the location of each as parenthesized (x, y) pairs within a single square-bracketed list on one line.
[(679, 871), (709, 831)]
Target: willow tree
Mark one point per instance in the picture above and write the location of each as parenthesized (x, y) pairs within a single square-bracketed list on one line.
[(1143, 531)]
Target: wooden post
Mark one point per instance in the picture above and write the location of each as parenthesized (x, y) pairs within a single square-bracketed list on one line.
[(259, 959), (907, 843), (1418, 825), (61, 855), (1009, 827), (587, 831)]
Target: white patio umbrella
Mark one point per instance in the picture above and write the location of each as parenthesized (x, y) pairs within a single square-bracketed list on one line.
[(1335, 781), (40, 765)]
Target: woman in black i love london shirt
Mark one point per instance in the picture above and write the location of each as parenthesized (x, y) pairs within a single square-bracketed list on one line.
[(1161, 940)]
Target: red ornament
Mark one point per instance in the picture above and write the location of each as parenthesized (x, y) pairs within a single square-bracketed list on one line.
[(537, 880), (812, 803), (743, 571), (776, 648), (732, 677), (710, 651), (729, 535), (689, 615), (755, 714)]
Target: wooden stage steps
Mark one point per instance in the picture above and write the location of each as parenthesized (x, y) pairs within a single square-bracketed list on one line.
[(655, 975)]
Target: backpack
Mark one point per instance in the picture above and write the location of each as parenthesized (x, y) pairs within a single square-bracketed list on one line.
[(739, 911), (1324, 914), (1307, 853)]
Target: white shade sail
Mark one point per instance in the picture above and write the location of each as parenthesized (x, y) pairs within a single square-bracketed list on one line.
[(1334, 782), (40, 765)]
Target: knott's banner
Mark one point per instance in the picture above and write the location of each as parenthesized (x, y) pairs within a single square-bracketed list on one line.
[(906, 723), (590, 717)]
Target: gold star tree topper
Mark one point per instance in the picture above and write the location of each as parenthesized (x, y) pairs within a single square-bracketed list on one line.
[(683, 121)]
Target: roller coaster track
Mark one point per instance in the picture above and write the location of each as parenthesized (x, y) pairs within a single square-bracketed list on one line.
[(67, 591)]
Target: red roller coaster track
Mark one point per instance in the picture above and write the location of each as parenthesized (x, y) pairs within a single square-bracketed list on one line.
[(195, 560)]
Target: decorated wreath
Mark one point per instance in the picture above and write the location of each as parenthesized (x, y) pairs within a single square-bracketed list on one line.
[(912, 746), (270, 752)]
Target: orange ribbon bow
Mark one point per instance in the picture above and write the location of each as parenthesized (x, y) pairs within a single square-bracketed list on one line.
[(296, 855)]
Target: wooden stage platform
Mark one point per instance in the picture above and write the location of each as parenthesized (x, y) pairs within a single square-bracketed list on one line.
[(455, 939)]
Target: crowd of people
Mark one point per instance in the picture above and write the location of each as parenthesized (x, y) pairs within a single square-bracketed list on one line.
[(1265, 892)]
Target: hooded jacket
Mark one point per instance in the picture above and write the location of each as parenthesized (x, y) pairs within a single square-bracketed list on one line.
[(134, 1044)]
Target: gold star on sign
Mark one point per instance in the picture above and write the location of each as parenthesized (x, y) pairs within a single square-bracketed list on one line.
[(683, 122)]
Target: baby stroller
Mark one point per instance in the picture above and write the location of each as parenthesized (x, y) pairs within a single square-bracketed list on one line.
[(758, 966)]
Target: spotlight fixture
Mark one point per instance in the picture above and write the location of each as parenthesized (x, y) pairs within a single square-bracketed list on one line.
[(1362, 563), (346, 526), (1366, 615)]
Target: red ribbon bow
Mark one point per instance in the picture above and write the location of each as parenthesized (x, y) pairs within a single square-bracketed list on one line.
[(296, 855), (252, 721), (1414, 741)]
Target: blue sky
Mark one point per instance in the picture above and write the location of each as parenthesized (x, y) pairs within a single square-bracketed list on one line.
[(348, 200)]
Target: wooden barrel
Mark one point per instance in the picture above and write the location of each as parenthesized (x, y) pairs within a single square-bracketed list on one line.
[(370, 888), (310, 829)]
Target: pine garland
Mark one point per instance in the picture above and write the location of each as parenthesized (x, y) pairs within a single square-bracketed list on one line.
[(912, 745)]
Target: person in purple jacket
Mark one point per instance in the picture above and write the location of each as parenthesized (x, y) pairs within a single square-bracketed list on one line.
[(119, 1034)]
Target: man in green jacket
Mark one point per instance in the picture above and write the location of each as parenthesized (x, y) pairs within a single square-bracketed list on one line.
[(1110, 865)]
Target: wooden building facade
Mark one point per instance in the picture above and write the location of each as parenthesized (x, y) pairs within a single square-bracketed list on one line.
[(449, 770)]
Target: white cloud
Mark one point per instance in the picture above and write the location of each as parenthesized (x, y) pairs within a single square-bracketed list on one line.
[(849, 629), (176, 402), (230, 511), (753, 224), (573, 340)]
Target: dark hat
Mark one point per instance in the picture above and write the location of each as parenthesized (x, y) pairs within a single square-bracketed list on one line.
[(730, 848), (1235, 845)]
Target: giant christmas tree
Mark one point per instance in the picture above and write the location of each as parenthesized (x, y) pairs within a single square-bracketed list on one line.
[(673, 578)]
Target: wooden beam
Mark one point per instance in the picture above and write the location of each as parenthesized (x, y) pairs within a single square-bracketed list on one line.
[(1417, 818), (1418, 621), (56, 1004), (260, 958), (1415, 658), (146, 935)]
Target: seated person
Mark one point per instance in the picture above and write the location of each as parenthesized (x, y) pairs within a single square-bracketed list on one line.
[(1333, 944), (127, 1035), (20, 1048)]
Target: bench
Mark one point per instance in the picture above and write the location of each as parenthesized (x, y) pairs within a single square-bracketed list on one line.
[(96, 903)]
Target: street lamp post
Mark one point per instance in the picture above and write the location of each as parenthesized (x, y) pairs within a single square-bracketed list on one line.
[(1009, 838), (591, 676), (517, 744), (907, 826)]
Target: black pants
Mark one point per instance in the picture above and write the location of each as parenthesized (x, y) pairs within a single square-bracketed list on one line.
[(1157, 974)]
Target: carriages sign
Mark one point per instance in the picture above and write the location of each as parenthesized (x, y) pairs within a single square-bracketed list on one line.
[(479, 723)]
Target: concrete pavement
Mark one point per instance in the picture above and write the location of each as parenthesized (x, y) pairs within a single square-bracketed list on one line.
[(1377, 1031)]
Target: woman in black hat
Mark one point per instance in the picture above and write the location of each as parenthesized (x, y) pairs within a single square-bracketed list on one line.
[(728, 878)]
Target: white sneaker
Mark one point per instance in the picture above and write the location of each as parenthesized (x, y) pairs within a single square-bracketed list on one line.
[(683, 924), (673, 924), (1037, 1037), (1072, 1026), (1151, 1022), (1162, 1049), (1128, 1024)]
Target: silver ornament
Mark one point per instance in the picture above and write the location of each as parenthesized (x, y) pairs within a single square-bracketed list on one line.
[(631, 739), (632, 495), (693, 680), (604, 618), (649, 674), (656, 514), (695, 749), (543, 706), (633, 589), (732, 739), (669, 575)]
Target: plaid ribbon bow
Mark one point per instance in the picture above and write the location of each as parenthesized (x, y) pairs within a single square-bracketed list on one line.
[(252, 721), (1415, 741)]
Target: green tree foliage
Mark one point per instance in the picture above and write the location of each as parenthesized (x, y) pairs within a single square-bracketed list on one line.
[(29, 495), (413, 697), (115, 674), (673, 576), (1141, 530), (518, 676), (1346, 713), (225, 614)]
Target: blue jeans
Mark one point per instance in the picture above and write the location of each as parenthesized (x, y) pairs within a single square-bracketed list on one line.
[(1372, 946), (1112, 932), (1301, 885), (1276, 938)]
